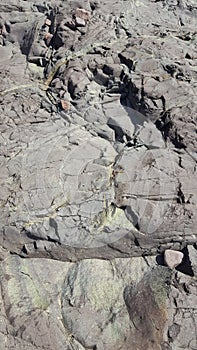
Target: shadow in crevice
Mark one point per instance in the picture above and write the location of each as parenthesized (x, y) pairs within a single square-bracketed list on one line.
[(166, 126), (134, 108), (185, 267)]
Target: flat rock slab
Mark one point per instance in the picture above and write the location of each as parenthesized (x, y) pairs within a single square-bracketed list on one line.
[(149, 188), (5, 53)]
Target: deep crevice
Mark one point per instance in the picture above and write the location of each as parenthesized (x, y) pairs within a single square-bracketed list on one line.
[(185, 267)]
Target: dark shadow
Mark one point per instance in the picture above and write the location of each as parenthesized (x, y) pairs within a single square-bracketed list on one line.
[(185, 267), (160, 260)]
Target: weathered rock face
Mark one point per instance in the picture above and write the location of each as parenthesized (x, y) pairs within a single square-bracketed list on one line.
[(98, 162), (118, 304)]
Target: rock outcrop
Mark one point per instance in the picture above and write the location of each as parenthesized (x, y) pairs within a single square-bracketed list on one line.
[(98, 174)]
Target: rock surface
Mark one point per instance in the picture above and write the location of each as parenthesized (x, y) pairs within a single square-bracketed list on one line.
[(98, 174), (173, 258)]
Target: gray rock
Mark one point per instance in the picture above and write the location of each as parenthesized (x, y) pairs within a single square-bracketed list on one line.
[(86, 313), (104, 186), (118, 119), (193, 258), (80, 22), (5, 53), (180, 328)]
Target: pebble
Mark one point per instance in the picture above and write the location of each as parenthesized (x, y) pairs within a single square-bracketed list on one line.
[(3, 30), (173, 258), (83, 14), (48, 22), (48, 37), (80, 22), (65, 105)]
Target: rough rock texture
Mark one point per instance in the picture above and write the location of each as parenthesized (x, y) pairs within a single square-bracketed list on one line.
[(98, 174)]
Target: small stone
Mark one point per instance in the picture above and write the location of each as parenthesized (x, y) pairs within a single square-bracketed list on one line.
[(48, 22), (83, 14), (173, 258), (80, 22), (173, 331), (65, 105), (3, 29), (48, 37)]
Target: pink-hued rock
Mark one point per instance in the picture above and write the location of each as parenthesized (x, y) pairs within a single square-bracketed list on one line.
[(48, 22), (173, 258), (83, 14), (48, 37), (65, 105), (3, 29)]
